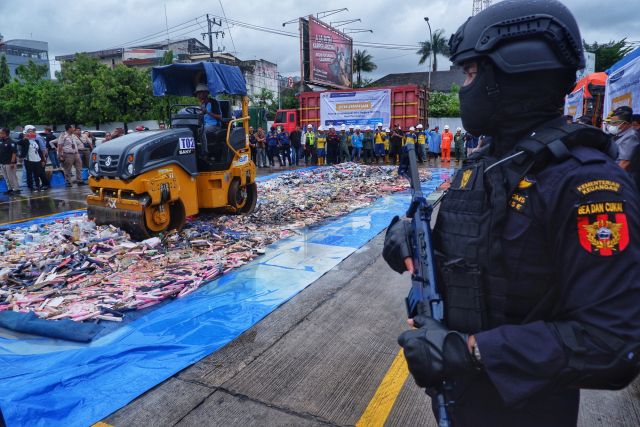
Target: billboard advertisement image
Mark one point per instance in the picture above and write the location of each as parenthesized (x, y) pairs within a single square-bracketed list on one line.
[(363, 108), (330, 55)]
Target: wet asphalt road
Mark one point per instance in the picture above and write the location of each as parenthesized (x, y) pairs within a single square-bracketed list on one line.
[(28, 205)]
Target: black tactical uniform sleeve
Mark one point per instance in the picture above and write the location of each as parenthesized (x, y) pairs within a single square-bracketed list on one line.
[(580, 222)]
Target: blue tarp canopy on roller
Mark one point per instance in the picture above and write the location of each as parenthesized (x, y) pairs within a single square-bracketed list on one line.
[(181, 79)]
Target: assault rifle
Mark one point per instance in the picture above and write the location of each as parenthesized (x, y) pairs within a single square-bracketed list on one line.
[(423, 297)]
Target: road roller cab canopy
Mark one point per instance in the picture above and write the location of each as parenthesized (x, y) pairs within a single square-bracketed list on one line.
[(181, 79)]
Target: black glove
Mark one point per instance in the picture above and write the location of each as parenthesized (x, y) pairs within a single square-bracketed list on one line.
[(434, 353), (397, 244)]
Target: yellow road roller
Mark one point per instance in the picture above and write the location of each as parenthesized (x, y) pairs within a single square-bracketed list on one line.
[(149, 182)]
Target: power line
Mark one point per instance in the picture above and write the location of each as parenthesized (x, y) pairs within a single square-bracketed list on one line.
[(230, 35)]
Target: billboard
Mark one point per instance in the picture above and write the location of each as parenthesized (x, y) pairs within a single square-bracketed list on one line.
[(364, 108), (573, 104), (623, 88), (327, 55), (590, 68)]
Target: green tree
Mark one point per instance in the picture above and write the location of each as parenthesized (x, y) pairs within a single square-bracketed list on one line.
[(20, 99), (5, 72), (266, 99), (32, 73), (455, 88), (362, 61), (444, 105), (607, 54), (440, 47), (84, 82)]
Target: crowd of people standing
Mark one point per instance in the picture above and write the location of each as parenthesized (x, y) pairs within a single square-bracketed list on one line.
[(330, 145)]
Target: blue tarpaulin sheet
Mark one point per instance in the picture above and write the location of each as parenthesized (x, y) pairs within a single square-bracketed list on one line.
[(46, 382), (181, 79), (44, 220)]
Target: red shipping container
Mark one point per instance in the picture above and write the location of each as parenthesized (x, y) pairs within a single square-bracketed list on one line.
[(408, 108)]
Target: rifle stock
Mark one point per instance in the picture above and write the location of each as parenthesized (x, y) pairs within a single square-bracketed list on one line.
[(423, 297)]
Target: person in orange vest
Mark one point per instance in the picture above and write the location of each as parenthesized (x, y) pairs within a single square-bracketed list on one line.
[(447, 137)]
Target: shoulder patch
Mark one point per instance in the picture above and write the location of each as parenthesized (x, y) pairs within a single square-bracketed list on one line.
[(599, 185), (602, 227)]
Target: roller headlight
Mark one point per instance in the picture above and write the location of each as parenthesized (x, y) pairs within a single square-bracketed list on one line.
[(96, 168), (130, 168)]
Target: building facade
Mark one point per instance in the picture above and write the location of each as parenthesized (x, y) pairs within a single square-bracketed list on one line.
[(146, 56), (20, 51)]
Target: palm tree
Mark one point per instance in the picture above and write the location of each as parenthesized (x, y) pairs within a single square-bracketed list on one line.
[(362, 62), (440, 47)]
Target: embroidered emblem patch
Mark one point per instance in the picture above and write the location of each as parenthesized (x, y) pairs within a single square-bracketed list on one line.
[(518, 202), (602, 227), (600, 185), (525, 183), (465, 178)]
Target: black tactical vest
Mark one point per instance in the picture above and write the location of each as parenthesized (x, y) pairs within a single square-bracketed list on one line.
[(479, 292)]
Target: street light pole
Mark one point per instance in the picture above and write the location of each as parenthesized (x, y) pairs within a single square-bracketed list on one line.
[(431, 50)]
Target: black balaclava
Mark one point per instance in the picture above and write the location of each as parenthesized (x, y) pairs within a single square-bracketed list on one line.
[(525, 101)]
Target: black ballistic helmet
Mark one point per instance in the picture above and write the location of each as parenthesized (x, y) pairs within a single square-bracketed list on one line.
[(520, 36)]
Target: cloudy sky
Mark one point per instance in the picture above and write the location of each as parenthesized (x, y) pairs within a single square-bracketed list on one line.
[(71, 26)]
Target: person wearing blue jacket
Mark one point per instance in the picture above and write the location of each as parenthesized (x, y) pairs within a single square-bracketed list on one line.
[(284, 139), (272, 144), (435, 139), (356, 143)]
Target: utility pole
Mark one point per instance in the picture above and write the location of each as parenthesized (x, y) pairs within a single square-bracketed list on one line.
[(210, 33)]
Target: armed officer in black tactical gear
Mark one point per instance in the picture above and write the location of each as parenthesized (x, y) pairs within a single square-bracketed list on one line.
[(536, 241)]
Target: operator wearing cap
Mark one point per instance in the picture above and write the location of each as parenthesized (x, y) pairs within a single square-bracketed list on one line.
[(210, 109), (537, 240), (379, 137)]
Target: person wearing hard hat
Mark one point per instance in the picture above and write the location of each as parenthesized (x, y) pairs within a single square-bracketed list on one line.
[(309, 146), (447, 137), (379, 138), (321, 147), (333, 145), (411, 137), (422, 139), (344, 145), (356, 143), (435, 140), (350, 132), (460, 145), (397, 138), (367, 145)]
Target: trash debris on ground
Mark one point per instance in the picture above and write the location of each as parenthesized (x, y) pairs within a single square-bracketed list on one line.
[(74, 269)]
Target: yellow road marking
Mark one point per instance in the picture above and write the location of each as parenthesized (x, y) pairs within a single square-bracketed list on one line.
[(101, 424), (27, 198), (380, 405)]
